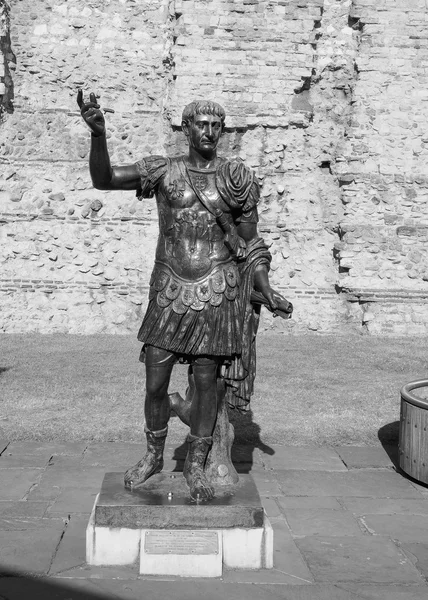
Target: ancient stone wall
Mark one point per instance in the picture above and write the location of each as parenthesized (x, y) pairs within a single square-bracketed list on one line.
[(383, 253), (325, 100)]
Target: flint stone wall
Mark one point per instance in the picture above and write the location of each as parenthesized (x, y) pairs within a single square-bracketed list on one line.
[(325, 100)]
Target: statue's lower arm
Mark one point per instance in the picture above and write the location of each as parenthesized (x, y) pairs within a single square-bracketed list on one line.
[(99, 163)]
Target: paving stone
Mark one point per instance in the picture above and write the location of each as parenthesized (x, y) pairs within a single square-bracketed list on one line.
[(405, 528), (421, 487), (308, 502), (124, 573), (357, 457), (271, 507), (388, 506), (314, 592), (30, 550), (286, 556), (66, 461), (418, 554), (16, 483), (321, 521), (213, 590), (128, 455), (105, 589), (377, 483), (23, 509), (71, 552), (208, 589), (368, 559), (44, 493), (304, 458), (266, 482), (387, 592), (13, 461), (57, 477), (48, 588), (25, 523), (264, 576), (31, 448), (110, 454), (73, 500)]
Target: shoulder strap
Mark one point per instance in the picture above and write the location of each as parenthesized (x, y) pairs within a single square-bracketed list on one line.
[(232, 239), (203, 198)]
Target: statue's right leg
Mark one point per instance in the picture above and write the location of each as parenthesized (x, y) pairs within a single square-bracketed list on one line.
[(159, 364)]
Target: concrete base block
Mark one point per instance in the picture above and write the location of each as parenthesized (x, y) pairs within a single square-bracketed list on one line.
[(248, 548), (110, 545), (268, 545)]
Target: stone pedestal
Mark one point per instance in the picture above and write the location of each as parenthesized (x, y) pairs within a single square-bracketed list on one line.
[(159, 527)]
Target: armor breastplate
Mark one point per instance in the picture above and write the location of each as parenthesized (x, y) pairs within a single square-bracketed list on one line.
[(191, 243)]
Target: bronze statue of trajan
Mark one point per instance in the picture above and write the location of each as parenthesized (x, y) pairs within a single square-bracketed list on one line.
[(209, 279)]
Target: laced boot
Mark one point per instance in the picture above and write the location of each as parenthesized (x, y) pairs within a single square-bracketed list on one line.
[(200, 488), (152, 461)]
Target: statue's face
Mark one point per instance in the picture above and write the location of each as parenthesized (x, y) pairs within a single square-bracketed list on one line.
[(203, 132)]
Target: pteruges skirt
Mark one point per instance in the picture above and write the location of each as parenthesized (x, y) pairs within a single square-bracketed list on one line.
[(202, 318)]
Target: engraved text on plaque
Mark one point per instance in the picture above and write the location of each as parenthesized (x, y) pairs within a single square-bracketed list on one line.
[(181, 542)]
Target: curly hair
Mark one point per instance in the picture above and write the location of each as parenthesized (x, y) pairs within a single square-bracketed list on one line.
[(203, 107)]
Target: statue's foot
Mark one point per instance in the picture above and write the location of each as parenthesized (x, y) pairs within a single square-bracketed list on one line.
[(200, 487), (149, 465), (194, 474), (152, 461)]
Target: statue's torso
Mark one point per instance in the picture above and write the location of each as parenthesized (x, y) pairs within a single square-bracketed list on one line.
[(191, 243)]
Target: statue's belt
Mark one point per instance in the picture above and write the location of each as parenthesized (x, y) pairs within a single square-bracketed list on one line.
[(169, 289)]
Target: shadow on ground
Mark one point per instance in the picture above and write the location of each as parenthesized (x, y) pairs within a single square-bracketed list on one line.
[(15, 585), (388, 437)]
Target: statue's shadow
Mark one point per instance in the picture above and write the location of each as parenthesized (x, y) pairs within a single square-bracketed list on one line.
[(247, 442)]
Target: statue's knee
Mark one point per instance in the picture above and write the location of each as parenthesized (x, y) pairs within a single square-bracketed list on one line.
[(206, 377), (155, 390)]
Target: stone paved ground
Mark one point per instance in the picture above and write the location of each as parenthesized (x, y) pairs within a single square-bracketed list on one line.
[(347, 526)]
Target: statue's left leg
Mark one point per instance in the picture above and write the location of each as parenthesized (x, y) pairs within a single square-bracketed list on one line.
[(203, 416), (159, 364)]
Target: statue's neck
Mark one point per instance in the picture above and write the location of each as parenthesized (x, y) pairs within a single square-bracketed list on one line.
[(202, 161)]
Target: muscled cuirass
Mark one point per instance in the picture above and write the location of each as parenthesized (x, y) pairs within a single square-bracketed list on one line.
[(191, 243)]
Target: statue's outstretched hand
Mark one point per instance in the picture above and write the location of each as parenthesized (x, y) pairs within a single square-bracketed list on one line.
[(91, 113)]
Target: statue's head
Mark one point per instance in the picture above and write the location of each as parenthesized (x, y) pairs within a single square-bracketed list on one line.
[(203, 107), (203, 124)]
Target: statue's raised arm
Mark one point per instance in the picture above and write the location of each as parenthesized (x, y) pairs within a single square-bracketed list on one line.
[(103, 175)]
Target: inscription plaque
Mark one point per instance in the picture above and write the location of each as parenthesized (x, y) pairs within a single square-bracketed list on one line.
[(181, 542)]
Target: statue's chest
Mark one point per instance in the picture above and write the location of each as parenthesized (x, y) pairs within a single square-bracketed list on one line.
[(178, 193)]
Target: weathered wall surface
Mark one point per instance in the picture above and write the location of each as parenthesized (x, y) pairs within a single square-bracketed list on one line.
[(325, 100), (384, 252)]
